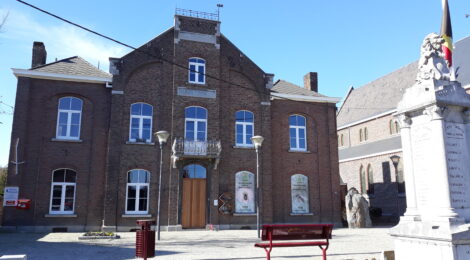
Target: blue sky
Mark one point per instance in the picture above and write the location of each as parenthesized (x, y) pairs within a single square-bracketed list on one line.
[(349, 43)]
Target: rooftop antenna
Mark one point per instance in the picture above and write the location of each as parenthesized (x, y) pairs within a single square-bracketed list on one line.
[(218, 11)]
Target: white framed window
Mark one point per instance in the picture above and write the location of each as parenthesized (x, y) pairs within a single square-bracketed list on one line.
[(63, 191), (196, 73), (140, 129), (137, 191), (245, 193), (68, 118), (244, 128), (297, 133), (195, 124)]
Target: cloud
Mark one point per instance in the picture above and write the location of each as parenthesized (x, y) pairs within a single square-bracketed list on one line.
[(61, 40)]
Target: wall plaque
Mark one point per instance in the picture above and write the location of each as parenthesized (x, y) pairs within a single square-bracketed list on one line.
[(245, 192), (299, 189)]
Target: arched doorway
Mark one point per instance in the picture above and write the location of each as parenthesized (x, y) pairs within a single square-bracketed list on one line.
[(193, 214)]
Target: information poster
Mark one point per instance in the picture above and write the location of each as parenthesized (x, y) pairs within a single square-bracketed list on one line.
[(245, 195), (10, 196), (299, 189)]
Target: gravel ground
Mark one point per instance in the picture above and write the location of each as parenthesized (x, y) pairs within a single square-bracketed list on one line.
[(357, 244)]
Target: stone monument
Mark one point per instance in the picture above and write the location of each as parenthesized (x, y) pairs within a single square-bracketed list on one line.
[(357, 210), (434, 118)]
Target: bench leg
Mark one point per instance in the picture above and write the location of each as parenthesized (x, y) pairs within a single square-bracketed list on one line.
[(323, 251), (268, 253)]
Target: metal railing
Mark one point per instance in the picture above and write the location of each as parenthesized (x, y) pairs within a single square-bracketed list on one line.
[(191, 148), (197, 14)]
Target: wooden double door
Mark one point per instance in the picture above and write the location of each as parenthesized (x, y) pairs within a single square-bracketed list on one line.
[(193, 214)]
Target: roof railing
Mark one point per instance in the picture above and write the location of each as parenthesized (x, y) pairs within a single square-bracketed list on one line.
[(197, 14)]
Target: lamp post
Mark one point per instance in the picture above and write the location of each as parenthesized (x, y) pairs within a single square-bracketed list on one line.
[(395, 160), (162, 138), (257, 141)]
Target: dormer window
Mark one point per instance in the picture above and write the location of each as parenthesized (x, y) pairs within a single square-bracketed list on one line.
[(197, 70)]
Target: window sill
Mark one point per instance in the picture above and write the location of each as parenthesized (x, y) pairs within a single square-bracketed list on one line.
[(244, 147), (298, 151), (139, 143), (67, 140), (197, 83), (60, 215), (301, 214), (244, 214), (136, 215)]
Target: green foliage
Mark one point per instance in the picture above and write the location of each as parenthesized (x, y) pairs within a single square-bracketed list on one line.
[(3, 179), (99, 234)]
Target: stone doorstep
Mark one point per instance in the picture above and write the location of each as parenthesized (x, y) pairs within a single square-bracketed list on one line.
[(14, 257)]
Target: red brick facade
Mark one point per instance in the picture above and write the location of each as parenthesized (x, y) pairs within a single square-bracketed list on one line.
[(104, 156)]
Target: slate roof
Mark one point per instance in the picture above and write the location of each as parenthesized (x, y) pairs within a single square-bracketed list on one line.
[(389, 144), (76, 66), (284, 87), (383, 94)]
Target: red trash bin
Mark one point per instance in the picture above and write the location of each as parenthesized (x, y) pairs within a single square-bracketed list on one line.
[(145, 239)]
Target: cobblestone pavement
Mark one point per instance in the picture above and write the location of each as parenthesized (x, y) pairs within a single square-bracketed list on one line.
[(357, 244)]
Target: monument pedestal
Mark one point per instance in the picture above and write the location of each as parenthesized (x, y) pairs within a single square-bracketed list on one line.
[(434, 118)]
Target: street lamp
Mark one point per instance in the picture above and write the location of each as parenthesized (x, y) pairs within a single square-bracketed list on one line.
[(257, 141), (395, 160), (162, 138)]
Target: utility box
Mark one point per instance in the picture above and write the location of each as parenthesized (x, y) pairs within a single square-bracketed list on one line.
[(145, 239)]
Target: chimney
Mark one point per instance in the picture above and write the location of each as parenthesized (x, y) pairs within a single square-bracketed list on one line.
[(39, 54), (311, 81)]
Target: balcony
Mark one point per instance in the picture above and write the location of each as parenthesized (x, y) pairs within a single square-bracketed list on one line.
[(191, 149)]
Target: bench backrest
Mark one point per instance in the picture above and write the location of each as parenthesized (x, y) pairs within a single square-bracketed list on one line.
[(297, 232)]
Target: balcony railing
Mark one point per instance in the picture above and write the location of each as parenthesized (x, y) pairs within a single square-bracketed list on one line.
[(184, 148)]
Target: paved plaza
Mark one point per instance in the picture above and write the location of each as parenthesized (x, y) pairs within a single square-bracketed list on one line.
[(358, 244)]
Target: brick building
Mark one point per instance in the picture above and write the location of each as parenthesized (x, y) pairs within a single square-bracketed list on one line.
[(369, 135), (92, 161)]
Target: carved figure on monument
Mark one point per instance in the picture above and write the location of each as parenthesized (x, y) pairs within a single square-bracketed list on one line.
[(432, 64), (357, 210)]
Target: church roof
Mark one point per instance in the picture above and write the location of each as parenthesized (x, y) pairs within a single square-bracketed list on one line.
[(383, 94), (75, 66)]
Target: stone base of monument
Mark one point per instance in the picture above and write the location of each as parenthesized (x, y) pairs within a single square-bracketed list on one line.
[(445, 238)]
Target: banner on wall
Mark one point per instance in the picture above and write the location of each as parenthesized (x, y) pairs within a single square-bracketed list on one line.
[(10, 196), (244, 192), (299, 189)]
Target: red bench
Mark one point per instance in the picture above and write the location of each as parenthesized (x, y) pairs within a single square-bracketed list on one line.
[(295, 232)]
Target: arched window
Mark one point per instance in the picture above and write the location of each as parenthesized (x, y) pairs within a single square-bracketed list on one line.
[(69, 118), (195, 124), (194, 171), (299, 193), (370, 180), (365, 134), (341, 140), (361, 135), (397, 128), (243, 128), (391, 126), (363, 179), (137, 192), (297, 133), (245, 192), (63, 191), (141, 123), (197, 68)]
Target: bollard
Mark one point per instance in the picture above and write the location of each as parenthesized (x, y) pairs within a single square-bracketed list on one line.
[(145, 239)]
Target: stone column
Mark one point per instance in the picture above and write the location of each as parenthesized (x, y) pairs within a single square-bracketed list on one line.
[(442, 199), (405, 132)]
